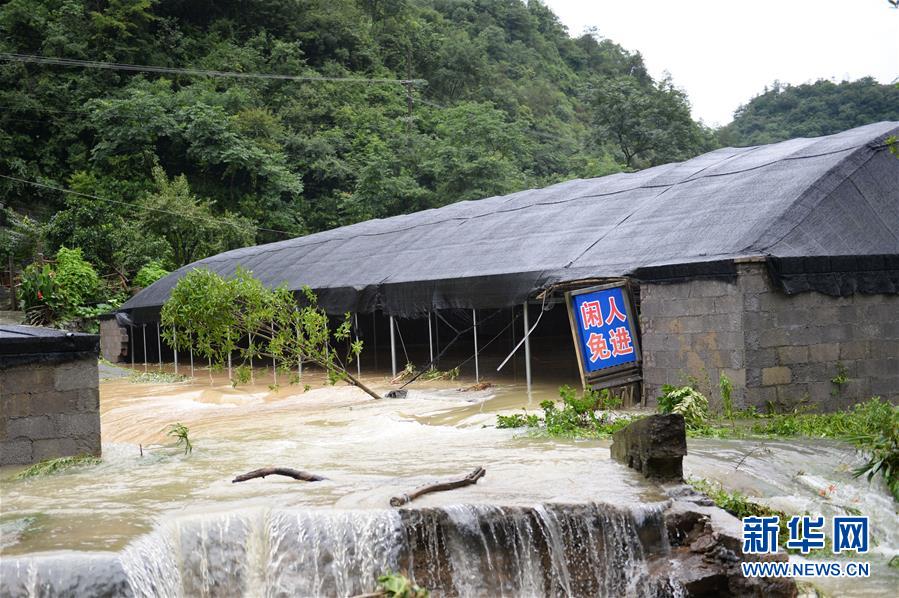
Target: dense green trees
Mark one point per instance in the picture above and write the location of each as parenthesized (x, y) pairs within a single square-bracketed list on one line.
[(809, 110), (171, 167)]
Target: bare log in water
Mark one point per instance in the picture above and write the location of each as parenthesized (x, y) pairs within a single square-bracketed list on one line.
[(285, 471), (472, 478)]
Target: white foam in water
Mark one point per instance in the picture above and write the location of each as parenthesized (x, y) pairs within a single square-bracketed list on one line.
[(465, 550)]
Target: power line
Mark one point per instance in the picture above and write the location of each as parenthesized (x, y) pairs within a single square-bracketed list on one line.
[(144, 68), (138, 206)]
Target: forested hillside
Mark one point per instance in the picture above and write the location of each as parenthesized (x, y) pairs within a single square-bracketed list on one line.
[(502, 99), (810, 110)]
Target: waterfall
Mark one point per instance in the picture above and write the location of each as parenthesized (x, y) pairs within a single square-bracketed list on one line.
[(459, 550)]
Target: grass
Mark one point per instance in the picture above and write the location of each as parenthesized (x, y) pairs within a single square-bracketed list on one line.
[(55, 466)]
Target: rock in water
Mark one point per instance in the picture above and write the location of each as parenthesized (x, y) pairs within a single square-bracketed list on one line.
[(655, 446)]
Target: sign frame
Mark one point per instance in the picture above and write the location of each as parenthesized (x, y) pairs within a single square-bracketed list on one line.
[(616, 375)]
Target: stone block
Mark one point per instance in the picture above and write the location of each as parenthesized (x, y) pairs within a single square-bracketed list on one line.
[(853, 350), (53, 447), (87, 445), (77, 376), (823, 352), (776, 375), (737, 376), (78, 424), (792, 354), (15, 452), (728, 304), (25, 379), (32, 427), (15, 405), (654, 445)]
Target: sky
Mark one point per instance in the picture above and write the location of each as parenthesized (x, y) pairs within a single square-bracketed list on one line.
[(722, 53)]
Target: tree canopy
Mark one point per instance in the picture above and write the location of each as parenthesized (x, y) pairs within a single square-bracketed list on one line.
[(810, 110), (170, 167)]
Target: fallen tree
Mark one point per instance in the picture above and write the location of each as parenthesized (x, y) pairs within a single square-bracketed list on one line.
[(472, 478)]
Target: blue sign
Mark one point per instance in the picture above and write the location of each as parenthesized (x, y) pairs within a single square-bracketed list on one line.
[(605, 331)]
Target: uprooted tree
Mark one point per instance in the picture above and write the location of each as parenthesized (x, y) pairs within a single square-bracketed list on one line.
[(239, 316)]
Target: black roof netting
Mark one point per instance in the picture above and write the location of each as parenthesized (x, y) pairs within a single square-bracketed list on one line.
[(802, 203)]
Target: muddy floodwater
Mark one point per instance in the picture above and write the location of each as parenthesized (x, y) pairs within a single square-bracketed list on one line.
[(369, 451)]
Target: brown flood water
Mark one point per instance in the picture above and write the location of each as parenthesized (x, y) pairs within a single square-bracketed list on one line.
[(369, 450)]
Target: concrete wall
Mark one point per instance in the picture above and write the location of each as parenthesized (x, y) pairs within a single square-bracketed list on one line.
[(777, 349), (49, 409)]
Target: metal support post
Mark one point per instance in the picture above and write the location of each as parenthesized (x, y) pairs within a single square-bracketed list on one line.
[(527, 347), (358, 357), (145, 347), (159, 343), (474, 326), (175, 348), (430, 342), (392, 347)]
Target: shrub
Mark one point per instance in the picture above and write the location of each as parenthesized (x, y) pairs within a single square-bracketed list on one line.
[(686, 401), (149, 273), (50, 294), (76, 280), (577, 417)]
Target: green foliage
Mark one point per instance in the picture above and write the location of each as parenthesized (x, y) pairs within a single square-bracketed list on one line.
[(149, 273), (19, 234), (213, 314), (686, 401), (577, 417), (181, 433), (54, 466), (77, 282), (518, 420), (810, 110), (435, 374), (397, 585), (184, 166), (155, 378), (839, 380), (650, 124), (727, 401), (60, 292)]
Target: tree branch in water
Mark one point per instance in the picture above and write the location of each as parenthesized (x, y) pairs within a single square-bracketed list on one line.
[(472, 478), (285, 471)]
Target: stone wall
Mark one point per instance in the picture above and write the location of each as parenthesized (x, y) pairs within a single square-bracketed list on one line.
[(692, 332), (49, 406), (780, 349)]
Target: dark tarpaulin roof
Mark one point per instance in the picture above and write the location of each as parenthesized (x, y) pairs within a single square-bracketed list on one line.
[(804, 198)]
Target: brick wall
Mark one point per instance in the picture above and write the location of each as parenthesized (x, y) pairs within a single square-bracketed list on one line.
[(49, 409), (775, 348)]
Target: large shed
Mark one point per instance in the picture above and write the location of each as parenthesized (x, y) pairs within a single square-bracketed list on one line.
[(776, 265)]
